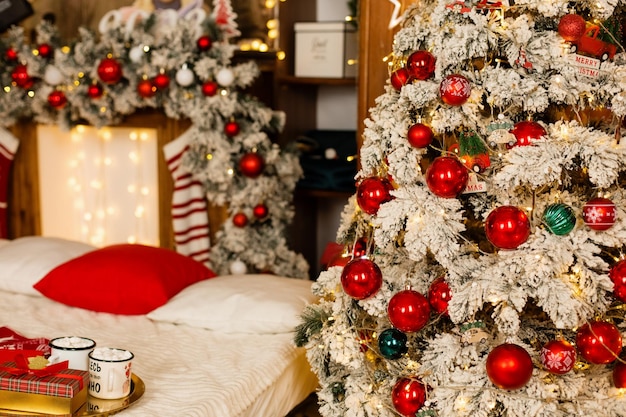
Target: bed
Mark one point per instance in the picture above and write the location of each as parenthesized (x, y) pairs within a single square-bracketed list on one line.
[(212, 347)]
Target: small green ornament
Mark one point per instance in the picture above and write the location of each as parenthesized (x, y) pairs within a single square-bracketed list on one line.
[(559, 218), (392, 343)]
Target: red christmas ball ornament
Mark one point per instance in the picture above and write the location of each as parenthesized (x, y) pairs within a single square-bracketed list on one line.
[(20, 76), (421, 65), (372, 192), (526, 132), (619, 374), (44, 50), (419, 135), (455, 89), (361, 278), (400, 78), (251, 165), (260, 211), (110, 71), (10, 55), (509, 366), (572, 27), (439, 295), (599, 342), (599, 213), (618, 276), (507, 227), (161, 81), (558, 357), (408, 396), (146, 89), (231, 128), (204, 43), (95, 91), (209, 88), (240, 220), (57, 99), (446, 177), (408, 311)]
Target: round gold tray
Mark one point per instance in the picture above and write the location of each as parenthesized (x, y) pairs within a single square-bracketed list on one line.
[(95, 406)]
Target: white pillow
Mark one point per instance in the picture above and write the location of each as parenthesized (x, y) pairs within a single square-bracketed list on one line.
[(239, 304), (26, 260)]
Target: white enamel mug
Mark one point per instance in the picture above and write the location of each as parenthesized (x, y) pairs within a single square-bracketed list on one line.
[(109, 373), (74, 349)]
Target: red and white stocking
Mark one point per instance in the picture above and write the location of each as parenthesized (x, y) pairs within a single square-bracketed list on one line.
[(8, 147), (189, 205)]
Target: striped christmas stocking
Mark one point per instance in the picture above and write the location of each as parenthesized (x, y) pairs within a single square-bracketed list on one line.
[(8, 147), (189, 206)]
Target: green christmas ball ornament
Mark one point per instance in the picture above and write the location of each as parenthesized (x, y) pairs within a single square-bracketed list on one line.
[(559, 218), (392, 343)]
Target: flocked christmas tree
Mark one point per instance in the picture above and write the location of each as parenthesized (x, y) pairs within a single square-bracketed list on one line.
[(484, 272), (182, 64)]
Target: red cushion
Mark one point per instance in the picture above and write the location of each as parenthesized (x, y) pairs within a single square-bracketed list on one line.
[(122, 279)]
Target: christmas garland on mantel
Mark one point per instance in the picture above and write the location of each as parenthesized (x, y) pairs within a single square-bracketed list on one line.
[(183, 67)]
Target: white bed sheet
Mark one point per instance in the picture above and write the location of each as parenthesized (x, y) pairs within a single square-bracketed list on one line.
[(187, 371)]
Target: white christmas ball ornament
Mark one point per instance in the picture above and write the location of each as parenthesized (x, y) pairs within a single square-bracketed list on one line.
[(53, 75), (136, 54), (184, 77), (238, 268), (225, 77)]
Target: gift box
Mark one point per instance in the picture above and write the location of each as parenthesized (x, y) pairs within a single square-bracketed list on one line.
[(326, 50), (52, 390)]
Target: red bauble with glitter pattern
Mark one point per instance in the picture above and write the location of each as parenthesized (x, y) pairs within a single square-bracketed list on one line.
[(599, 342), (361, 278), (408, 311), (599, 213), (509, 366), (572, 27), (455, 89), (447, 177), (507, 227), (372, 192)]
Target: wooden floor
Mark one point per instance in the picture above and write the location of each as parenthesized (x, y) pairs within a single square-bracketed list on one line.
[(307, 408)]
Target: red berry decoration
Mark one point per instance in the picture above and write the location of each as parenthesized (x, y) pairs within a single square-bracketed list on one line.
[(599, 213), (408, 311), (10, 54), (572, 27), (408, 396), (260, 211), (45, 50), (146, 89), (361, 278), (419, 135), (618, 276), (209, 88), (161, 81), (95, 90), (507, 227), (599, 342), (455, 89), (20, 76), (400, 78), (204, 43), (509, 366), (446, 177), (619, 374), (240, 220), (558, 357), (57, 99), (527, 132), (439, 296), (231, 128), (421, 65), (251, 165), (372, 192), (110, 71)]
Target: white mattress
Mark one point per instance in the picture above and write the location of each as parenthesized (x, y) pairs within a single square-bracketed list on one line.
[(187, 371)]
